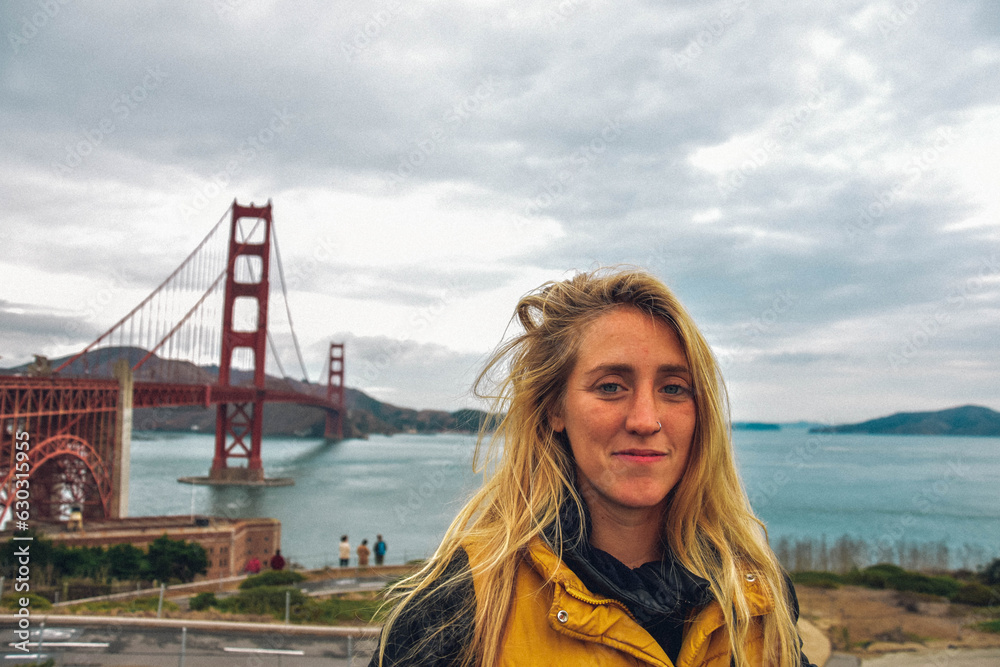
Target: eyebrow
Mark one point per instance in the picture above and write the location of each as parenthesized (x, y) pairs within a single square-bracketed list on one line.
[(625, 369)]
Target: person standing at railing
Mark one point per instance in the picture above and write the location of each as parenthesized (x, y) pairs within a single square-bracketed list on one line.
[(345, 551), (253, 566), (363, 553)]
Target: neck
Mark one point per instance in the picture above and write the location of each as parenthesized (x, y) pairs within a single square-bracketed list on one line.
[(632, 536)]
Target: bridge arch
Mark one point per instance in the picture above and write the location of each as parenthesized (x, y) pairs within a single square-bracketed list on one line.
[(64, 470)]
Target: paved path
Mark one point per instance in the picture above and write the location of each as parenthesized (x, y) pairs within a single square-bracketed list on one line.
[(988, 657), (72, 640), (814, 643)]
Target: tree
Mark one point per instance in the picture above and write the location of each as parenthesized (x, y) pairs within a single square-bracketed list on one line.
[(41, 557), (79, 561), (125, 561), (991, 574), (176, 559)]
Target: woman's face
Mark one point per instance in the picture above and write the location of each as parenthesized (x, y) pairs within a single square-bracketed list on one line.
[(631, 374)]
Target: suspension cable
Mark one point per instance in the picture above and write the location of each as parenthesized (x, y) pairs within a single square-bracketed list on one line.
[(152, 294), (288, 310), (194, 308), (277, 359)]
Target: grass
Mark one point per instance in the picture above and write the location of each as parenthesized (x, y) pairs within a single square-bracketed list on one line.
[(133, 606), (336, 610), (352, 608), (270, 601)]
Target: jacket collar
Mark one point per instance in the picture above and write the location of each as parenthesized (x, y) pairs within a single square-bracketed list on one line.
[(570, 589), (652, 591), (649, 591)]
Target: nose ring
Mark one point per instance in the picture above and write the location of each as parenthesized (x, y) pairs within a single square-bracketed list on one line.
[(659, 427)]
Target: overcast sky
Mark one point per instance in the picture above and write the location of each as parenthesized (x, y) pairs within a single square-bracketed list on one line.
[(819, 182)]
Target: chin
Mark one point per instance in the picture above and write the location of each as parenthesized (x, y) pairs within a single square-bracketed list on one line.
[(641, 500)]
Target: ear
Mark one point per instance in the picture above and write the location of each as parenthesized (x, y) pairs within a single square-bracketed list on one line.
[(556, 421)]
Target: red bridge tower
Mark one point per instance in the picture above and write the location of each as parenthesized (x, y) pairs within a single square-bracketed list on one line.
[(238, 427), (335, 392)]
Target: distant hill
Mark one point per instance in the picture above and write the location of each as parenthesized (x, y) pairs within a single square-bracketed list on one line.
[(365, 415), (755, 426), (801, 425), (965, 420)]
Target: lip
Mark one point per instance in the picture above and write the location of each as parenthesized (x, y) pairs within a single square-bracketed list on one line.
[(640, 455)]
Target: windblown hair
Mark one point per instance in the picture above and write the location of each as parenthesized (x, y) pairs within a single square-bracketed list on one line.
[(529, 472)]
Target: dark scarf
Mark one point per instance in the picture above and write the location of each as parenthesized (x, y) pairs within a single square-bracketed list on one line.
[(660, 594)]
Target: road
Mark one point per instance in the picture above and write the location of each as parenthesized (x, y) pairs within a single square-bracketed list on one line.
[(343, 585), (71, 643), (71, 640), (968, 657)]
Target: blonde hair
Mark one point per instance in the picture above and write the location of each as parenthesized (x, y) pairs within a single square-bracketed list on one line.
[(709, 523)]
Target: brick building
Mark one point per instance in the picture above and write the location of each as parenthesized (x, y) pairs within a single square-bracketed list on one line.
[(229, 543)]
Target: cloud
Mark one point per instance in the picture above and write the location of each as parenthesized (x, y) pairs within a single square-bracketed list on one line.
[(411, 374), (29, 330), (842, 158)]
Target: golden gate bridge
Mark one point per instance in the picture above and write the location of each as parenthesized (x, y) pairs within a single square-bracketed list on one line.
[(77, 417)]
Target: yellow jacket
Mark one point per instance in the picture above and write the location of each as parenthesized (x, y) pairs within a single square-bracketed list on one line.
[(555, 620)]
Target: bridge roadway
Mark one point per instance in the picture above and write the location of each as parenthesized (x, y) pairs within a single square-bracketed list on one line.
[(160, 394), (155, 394)]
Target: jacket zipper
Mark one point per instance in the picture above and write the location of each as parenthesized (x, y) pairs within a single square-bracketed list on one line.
[(595, 601)]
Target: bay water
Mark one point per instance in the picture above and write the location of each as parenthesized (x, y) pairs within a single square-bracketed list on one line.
[(887, 491)]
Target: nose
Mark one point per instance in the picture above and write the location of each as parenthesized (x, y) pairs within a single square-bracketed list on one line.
[(642, 418)]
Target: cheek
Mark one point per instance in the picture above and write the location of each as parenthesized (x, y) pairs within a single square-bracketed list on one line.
[(587, 437), (596, 418), (685, 467), (685, 424), (584, 448), (578, 451)]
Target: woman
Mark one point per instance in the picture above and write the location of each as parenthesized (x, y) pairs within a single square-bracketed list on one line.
[(363, 553), (612, 528)]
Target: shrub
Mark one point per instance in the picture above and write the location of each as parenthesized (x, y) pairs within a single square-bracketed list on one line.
[(921, 583), (991, 573), (976, 594), (818, 579), (876, 576), (202, 601), (262, 600), (35, 602), (271, 578), (991, 626), (885, 575)]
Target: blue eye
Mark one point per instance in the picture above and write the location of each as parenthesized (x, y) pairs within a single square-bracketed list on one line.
[(609, 387), (676, 390)]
